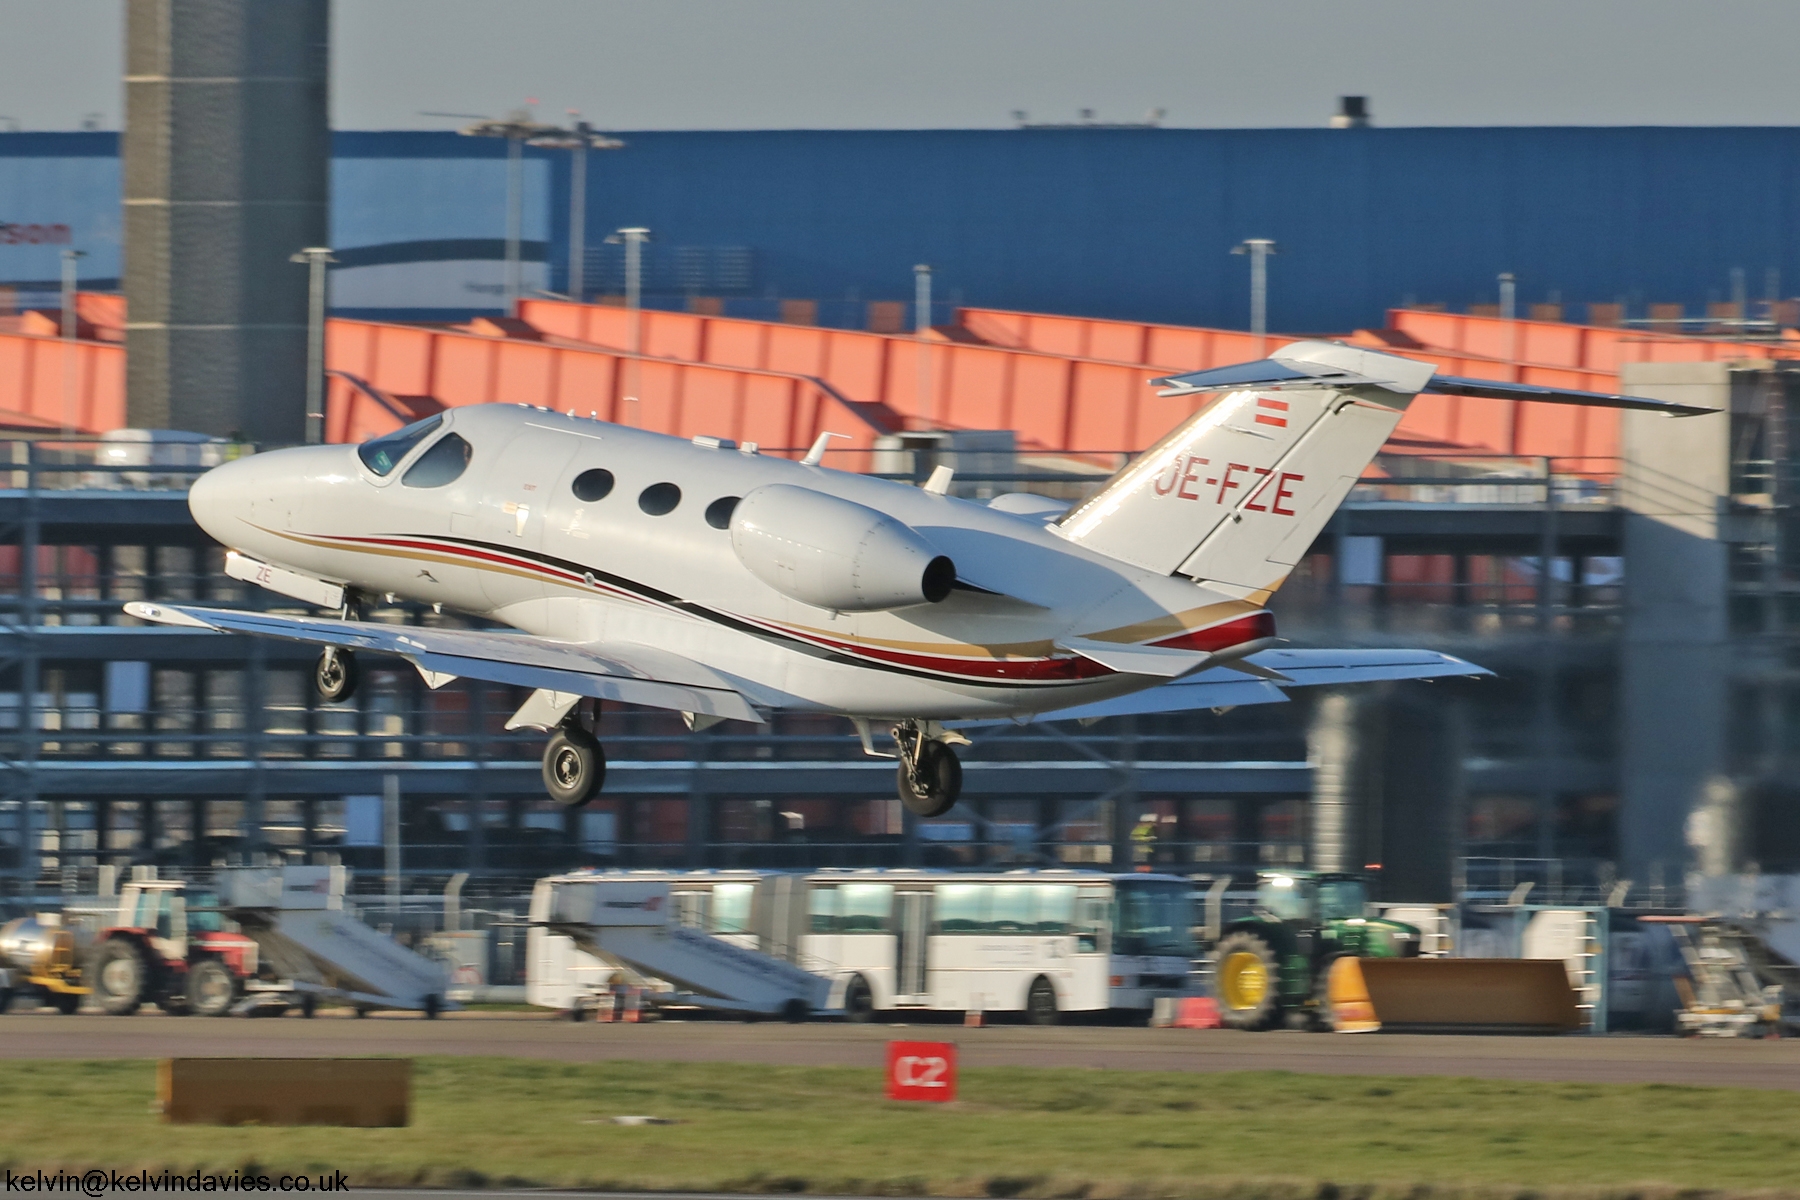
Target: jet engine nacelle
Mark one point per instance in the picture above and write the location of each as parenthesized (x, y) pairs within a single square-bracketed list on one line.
[(834, 553)]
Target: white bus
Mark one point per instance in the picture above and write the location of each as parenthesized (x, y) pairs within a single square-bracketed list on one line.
[(1042, 943)]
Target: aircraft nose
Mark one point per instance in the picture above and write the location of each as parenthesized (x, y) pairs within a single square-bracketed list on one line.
[(220, 501)]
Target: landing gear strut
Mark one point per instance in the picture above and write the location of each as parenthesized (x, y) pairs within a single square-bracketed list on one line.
[(574, 765), (930, 775)]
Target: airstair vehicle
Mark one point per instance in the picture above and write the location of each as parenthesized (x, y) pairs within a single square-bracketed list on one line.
[(590, 931), (306, 935)]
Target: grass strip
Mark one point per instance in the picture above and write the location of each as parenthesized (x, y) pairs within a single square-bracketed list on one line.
[(1015, 1132)]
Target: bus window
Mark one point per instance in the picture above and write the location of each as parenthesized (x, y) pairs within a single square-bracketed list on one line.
[(1055, 908), (1340, 899), (731, 907), (962, 907), (1155, 918), (1011, 908), (866, 907), (821, 903), (1090, 923)]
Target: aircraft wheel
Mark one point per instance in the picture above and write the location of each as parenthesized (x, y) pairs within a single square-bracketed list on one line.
[(574, 766), (121, 977), (211, 991), (336, 675), (930, 786)]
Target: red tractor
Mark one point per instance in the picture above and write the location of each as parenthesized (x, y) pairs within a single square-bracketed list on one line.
[(175, 955)]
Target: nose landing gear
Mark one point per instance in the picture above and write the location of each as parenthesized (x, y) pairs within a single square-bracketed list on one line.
[(574, 765), (929, 777)]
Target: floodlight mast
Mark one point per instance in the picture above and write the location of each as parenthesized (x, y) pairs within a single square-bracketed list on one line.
[(1259, 250), (578, 140), (317, 259), (633, 239), (517, 128)]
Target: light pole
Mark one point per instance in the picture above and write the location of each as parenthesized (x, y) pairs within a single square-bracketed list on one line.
[(1259, 250), (1509, 292), (633, 239), (922, 335), (578, 141), (316, 258), (517, 129)]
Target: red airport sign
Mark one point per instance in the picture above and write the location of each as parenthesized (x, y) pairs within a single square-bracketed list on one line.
[(921, 1071)]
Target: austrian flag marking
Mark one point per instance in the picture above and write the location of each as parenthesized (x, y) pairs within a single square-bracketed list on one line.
[(1271, 417)]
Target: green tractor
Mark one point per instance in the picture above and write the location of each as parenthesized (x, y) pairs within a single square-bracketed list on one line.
[(1273, 965)]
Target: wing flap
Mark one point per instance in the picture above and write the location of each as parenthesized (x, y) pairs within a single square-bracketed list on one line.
[(629, 674)]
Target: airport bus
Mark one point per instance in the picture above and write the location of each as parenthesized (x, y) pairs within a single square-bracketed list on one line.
[(1042, 943)]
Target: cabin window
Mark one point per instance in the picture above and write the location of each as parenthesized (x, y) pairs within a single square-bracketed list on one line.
[(659, 499), (443, 463), (593, 485), (384, 453), (718, 513)]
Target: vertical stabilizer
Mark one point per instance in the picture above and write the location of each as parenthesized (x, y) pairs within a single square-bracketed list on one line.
[(1236, 494)]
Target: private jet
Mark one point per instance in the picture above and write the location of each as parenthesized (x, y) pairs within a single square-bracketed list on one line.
[(729, 585)]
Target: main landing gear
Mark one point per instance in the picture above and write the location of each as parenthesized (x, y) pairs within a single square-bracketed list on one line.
[(929, 778), (335, 675), (574, 764)]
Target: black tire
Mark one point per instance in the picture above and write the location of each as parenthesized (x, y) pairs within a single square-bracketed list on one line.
[(335, 675), (121, 976), (1040, 1003), (433, 1006), (6, 998), (362, 1012), (795, 1011), (934, 790), (574, 766), (1247, 981), (309, 1006), (66, 1003), (174, 1006), (211, 990), (859, 1001)]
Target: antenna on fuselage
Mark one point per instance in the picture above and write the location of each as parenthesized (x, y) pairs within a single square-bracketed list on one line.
[(817, 452)]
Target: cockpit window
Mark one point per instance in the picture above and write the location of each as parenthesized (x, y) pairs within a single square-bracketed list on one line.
[(384, 453), (443, 463)]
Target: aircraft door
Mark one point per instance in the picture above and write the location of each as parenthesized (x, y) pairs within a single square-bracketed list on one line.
[(509, 513), (912, 917)]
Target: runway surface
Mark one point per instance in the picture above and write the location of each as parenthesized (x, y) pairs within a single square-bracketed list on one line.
[(1611, 1059)]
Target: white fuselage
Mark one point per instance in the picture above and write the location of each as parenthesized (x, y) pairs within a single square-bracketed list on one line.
[(510, 540)]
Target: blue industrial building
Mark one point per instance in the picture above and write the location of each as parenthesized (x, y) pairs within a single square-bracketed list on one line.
[(1128, 223)]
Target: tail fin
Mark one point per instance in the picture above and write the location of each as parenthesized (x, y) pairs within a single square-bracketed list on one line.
[(1236, 494)]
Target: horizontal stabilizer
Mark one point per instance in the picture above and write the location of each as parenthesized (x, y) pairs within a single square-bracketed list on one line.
[(1268, 375), (1452, 385), (629, 674)]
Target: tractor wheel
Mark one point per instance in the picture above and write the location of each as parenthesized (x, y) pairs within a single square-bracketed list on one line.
[(211, 990), (859, 1001), (121, 976), (1320, 1019), (1247, 981), (66, 1003)]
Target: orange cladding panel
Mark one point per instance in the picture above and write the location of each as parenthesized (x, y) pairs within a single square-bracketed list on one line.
[(525, 373), (709, 402), (974, 392), (464, 369), (1171, 349), (658, 406), (993, 326), (585, 384), (1117, 341), (557, 320), (735, 343), (673, 335), (767, 415), (797, 348), (1040, 408), (855, 365), (1103, 406), (1555, 345), (1057, 335)]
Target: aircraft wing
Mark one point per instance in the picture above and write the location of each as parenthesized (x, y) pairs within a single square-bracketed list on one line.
[(630, 674), (1223, 687)]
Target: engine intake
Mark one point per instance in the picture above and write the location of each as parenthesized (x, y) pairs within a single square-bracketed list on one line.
[(834, 553)]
